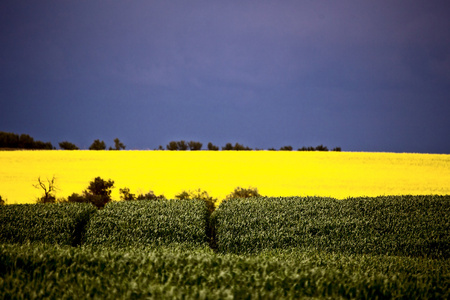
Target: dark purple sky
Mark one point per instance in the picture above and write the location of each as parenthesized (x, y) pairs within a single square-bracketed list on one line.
[(362, 75)]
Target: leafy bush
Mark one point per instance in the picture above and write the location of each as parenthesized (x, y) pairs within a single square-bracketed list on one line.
[(97, 193), (125, 194), (61, 223), (198, 195), (393, 225), (159, 222), (243, 193), (2, 201), (212, 147), (286, 148), (195, 146), (97, 145), (237, 147), (65, 145), (150, 195)]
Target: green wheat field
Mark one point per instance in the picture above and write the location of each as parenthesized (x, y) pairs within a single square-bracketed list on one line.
[(388, 247)]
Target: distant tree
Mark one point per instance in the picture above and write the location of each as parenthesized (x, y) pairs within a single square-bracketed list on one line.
[(307, 149), (239, 147), (118, 145), (77, 198), (126, 195), (228, 147), (212, 147), (182, 145), (2, 201), (172, 146), (149, 196), (49, 189), (9, 140), (321, 148), (271, 149), (43, 146), (195, 145), (68, 146), (286, 148), (338, 149), (198, 195), (98, 145), (98, 193), (243, 193), (160, 147), (26, 141)]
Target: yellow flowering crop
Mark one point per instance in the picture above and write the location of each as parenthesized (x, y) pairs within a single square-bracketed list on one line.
[(274, 173)]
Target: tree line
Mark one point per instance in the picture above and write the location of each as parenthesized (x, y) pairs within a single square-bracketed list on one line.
[(98, 193), (24, 141), (193, 145)]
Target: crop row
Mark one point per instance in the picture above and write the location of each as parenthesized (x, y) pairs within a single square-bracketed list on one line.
[(61, 224), (159, 222), (55, 272), (393, 225)]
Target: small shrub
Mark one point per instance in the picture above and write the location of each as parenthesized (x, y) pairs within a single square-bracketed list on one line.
[(150, 196), (198, 195), (212, 147), (68, 146), (126, 195), (243, 193), (97, 193)]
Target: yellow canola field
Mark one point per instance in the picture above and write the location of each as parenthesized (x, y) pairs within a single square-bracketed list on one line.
[(274, 173)]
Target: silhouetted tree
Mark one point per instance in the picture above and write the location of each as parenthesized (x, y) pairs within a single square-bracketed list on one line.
[(243, 193), (195, 145), (338, 149), (149, 196), (172, 146), (321, 148), (68, 146), (43, 146), (126, 195), (118, 144), (49, 189), (239, 147), (227, 147), (98, 193), (307, 149), (2, 201), (198, 195), (98, 145), (182, 145), (24, 141), (9, 140), (286, 148), (212, 147), (271, 149)]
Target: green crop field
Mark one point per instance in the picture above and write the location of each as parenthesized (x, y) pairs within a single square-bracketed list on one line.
[(271, 248)]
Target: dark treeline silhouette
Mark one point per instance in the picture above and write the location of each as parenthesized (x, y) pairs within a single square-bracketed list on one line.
[(192, 145), (23, 141)]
